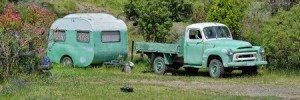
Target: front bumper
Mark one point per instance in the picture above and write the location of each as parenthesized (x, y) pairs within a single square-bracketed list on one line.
[(245, 63)]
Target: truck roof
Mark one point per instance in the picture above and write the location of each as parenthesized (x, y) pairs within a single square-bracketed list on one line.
[(205, 24)]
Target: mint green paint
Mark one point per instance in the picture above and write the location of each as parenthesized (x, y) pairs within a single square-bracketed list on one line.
[(95, 51), (168, 58), (196, 53)]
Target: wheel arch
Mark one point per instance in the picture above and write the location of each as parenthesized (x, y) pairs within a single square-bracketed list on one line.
[(168, 58), (211, 57), (62, 57)]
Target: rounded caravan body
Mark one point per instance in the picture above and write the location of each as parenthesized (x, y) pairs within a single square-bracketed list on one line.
[(87, 38)]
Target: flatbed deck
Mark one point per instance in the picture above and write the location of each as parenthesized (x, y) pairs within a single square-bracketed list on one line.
[(142, 47)]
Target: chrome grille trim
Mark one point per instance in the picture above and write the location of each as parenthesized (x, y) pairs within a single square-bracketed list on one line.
[(248, 56)]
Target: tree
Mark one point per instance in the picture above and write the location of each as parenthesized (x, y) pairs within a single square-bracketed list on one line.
[(281, 38), (229, 12), (180, 10), (155, 17)]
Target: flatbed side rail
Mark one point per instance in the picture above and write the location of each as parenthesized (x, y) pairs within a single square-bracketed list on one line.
[(141, 47)]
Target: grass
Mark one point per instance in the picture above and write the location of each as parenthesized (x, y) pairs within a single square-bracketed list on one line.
[(105, 83)]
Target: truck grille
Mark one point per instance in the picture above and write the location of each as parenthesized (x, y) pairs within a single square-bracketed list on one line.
[(249, 56)]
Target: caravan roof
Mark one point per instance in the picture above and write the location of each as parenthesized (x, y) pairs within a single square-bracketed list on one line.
[(89, 21)]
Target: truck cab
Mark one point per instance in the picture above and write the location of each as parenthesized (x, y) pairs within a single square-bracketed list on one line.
[(206, 45)]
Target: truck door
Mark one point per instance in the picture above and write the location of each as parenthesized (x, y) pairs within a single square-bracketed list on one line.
[(193, 49)]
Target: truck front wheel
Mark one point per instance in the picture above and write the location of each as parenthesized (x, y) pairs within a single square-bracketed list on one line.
[(216, 68), (159, 65)]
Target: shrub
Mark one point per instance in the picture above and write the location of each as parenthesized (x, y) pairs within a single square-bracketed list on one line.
[(155, 17), (255, 16), (200, 11), (281, 38), (176, 31), (2, 4), (229, 12), (37, 20), (275, 5), (180, 10), (10, 22), (63, 7), (21, 35)]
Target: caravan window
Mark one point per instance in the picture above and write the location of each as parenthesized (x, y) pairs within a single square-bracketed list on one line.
[(110, 36), (83, 36), (59, 35)]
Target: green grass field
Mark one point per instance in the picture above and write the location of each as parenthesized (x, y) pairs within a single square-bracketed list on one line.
[(105, 83)]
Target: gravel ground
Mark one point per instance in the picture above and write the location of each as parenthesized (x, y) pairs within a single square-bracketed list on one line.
[(288, 92)]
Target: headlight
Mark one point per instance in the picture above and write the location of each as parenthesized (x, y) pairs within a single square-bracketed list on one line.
[(262, 53), (229, 52), (262, 50)]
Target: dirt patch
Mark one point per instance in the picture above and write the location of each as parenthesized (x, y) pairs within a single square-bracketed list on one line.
[(232, 89)]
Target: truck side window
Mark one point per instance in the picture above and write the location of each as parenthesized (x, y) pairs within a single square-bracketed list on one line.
[(59, 35), (195, 34), (110, 36), (83, 36)]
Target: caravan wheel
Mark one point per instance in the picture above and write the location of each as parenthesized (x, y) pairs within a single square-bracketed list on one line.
[(67, 61)]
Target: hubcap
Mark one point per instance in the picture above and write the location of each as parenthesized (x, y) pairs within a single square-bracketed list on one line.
[(67, 62), (159, 66), (214, 69)]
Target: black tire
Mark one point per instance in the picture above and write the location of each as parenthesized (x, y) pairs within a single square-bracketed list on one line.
[(216, 68), (66, 61), (191, 70), (250, 70), (159, 66)]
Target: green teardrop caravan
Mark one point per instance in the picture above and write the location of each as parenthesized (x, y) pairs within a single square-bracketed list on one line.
[(85, 39)]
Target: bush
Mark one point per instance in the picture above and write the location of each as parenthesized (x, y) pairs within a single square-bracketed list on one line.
[(275, 5), (22, 35), (63, 7), (281, 38), (176, 31), (229, 12), (255, 16), (155, 17), (2, 4), (200, 10), (180, 10)]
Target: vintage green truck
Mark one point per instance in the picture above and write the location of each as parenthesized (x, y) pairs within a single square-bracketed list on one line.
[(204, 45)]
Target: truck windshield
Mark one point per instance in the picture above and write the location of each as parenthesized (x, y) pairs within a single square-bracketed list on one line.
[(216, 32)]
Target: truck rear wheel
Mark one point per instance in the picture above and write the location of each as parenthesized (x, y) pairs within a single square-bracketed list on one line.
[(159, 65), (216, 68), (67, 61)]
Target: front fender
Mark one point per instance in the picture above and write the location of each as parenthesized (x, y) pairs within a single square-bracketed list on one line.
[(221, 52)]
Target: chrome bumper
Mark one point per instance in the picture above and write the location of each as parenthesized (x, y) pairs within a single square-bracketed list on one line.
[(245, 64)]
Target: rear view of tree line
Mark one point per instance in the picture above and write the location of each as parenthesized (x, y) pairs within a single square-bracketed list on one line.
[(279, 34)]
